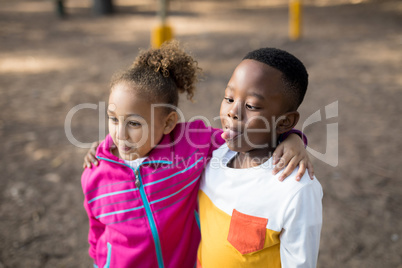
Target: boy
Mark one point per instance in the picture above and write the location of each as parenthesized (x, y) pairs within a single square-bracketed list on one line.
[(248, 217)]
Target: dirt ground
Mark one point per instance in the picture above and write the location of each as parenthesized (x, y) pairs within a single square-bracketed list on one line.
[(48, 66)]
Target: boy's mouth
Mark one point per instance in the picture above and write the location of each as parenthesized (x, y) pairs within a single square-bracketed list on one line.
[(229, 134)]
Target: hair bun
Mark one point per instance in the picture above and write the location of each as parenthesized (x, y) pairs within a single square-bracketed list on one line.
[(172, 62)]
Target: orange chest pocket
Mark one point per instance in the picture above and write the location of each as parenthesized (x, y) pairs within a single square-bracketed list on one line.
[(247, 233)]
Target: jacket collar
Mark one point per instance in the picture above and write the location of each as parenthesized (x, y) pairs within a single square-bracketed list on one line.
[(163, 150)]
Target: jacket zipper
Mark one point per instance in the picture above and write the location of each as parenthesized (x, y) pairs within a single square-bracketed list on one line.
[(150, 217), (137, 179)]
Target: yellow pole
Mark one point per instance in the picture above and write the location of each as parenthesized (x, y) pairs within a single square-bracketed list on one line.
[(295, 19), (162, 32)]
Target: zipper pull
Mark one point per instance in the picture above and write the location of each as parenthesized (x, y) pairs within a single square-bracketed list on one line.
[(137, 179)]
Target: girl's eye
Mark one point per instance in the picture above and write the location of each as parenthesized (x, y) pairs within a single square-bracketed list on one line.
[(134, 124), (228, 100), (113, 119), (252, 108)]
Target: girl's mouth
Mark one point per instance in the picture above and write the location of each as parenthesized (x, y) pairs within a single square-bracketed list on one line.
[(124, 148)]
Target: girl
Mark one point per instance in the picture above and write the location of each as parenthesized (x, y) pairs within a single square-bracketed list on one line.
[(141, 199)]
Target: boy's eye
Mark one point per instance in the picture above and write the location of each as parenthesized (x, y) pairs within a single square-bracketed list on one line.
[(252, 108), (228, 100)]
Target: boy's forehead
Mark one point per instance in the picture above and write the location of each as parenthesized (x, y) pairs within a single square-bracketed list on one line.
[(257, 67), (252, 74)]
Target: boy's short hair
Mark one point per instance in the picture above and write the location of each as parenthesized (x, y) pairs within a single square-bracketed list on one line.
[(294, 74)]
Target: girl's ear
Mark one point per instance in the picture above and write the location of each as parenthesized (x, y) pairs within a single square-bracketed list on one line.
[(287, 121), (170, 122)]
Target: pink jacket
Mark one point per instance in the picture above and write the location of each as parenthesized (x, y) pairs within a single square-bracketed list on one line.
[(148, 217)]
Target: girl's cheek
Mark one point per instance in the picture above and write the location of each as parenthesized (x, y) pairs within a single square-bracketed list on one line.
[(137, 136), (110, 129), (113, 131)]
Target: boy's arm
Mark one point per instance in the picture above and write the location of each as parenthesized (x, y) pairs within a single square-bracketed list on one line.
[(300, 237), (290, 153), (90, 157)]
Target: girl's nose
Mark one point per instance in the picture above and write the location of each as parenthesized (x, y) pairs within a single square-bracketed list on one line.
[(121, 132)]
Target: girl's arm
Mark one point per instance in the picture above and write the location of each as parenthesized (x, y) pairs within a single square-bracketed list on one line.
[(96, 228), (290, 153)]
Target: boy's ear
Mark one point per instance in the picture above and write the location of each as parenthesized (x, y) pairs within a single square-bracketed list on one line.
[(170, 122), (287, 122)]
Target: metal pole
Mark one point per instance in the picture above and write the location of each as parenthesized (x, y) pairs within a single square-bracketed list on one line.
[(162, 11), (295, 19), (162, 32)]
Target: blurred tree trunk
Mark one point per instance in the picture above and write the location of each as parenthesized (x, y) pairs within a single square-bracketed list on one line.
[(102, 7), (59, 5)]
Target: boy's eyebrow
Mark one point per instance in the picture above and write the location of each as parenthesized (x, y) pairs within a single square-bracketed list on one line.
[(229, 87), (258, 96), (254, 94)]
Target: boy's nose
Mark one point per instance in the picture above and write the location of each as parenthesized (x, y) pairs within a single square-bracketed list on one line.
[(235, 111), (234, 116)]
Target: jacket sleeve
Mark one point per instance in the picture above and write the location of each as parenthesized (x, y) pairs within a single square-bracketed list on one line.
[(300, 237), (205, 138), (216, 140), (283, 136), (96, 229)]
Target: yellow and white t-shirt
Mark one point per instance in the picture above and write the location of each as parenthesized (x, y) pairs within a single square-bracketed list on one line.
[(251, 219)]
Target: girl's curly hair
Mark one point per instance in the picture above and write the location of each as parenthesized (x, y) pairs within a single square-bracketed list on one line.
[(161, 74)]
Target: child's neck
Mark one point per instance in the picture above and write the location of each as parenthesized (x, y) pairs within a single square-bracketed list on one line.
[(251, 158)]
